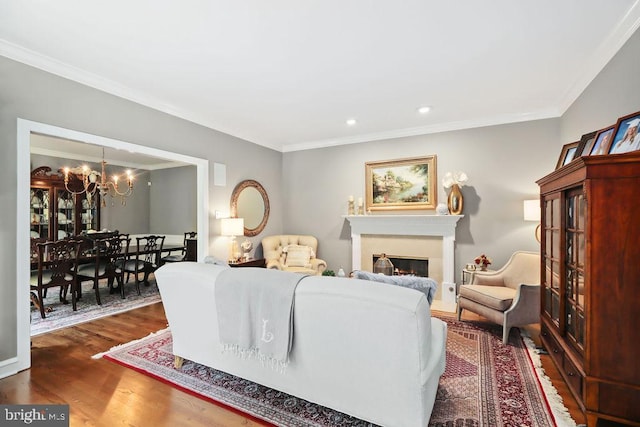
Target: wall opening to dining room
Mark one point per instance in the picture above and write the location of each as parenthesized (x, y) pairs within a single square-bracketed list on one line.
[(26, 129)]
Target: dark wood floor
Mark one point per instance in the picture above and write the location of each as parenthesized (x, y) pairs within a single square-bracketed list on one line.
[(102, 393)]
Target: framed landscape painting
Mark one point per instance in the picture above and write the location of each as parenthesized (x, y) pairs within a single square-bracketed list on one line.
[(401, 184)]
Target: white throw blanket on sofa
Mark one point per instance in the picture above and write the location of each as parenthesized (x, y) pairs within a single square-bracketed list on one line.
[(255, 313)]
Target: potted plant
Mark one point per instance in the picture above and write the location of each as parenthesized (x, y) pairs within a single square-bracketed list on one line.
[(482, 262)]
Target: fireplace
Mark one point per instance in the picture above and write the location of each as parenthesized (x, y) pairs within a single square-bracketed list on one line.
[(431, 237), (403, 265)]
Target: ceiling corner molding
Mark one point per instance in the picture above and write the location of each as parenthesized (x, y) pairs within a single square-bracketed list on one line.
[(619, 35), (61, 69), (425, 130)]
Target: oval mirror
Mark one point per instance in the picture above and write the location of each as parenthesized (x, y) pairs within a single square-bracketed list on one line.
[(249, 200)]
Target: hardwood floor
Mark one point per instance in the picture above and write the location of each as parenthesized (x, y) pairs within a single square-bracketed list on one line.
[(103, 393)]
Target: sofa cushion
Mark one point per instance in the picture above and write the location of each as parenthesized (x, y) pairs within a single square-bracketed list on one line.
[(298, 256), (496, 297)]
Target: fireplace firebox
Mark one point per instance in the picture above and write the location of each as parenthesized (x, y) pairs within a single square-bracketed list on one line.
[(403, 265)]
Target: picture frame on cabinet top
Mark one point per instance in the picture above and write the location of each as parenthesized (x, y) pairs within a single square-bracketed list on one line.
[(567, 154)]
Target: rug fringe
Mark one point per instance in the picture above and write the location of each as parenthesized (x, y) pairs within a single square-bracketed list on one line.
[(560, 412), (128, 344)]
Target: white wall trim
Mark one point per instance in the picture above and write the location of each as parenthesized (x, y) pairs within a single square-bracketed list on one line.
[(25, 128)]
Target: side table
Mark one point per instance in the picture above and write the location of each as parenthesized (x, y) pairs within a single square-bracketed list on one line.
[(251, 263)]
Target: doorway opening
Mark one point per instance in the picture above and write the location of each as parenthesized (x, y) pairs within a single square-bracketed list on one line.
[(25, 130)]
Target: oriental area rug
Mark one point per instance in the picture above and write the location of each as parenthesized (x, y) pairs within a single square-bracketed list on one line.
[(485, 383), (61, 315)]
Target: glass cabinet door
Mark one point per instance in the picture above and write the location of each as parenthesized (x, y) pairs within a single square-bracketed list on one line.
[(574, 313), (551, 252), (40, 202), (65, 214)]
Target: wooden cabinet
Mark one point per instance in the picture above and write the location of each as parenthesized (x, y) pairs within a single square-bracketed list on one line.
[(591, 282), (56, 212)]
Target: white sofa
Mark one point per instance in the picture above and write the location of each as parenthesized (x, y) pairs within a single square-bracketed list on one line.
[(367, 349)]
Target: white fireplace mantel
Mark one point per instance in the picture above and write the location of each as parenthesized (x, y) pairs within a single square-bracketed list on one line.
[(407, 225)]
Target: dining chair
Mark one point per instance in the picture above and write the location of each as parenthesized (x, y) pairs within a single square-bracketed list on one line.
[(183, 252), (108, 256), (145, 259), (57, 267)]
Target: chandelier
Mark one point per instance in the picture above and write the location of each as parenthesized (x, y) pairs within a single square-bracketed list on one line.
[(96, 182)]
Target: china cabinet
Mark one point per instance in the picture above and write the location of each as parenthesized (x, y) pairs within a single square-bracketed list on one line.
[(591, 280), (56, 212)]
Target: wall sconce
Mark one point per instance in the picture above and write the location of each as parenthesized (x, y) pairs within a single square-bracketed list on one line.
[(232, 227), (532, 213)]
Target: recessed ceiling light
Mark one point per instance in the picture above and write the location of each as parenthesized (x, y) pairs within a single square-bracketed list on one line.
[(424, 110), (351, 122)]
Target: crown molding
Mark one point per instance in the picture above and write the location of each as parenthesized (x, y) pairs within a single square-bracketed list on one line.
[(425, 130)]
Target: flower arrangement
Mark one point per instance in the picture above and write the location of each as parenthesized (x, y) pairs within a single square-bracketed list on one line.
[(482, 261), (459, 178)]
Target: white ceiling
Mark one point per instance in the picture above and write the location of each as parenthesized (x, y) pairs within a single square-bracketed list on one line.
[(286, 74)]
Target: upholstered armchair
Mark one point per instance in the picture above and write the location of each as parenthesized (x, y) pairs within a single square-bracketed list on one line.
[(509, 296), (293, 253)]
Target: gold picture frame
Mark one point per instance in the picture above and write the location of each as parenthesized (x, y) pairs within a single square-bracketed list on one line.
[(401, 184)]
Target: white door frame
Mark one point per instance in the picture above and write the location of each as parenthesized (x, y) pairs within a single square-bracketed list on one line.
[(25, 129)]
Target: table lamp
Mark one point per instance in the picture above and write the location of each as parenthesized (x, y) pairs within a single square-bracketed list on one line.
[(532, 213), (232, 227)]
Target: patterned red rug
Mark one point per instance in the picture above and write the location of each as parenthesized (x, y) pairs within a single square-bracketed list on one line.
[(485, 383)]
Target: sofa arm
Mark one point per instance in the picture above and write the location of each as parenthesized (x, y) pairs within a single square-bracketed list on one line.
[(274, 263), (525, 308), (318, 265)]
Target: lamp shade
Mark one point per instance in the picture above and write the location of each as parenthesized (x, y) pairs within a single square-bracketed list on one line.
[(232, 227), (532, 210)]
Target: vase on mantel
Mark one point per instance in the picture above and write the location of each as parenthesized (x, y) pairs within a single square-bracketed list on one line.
[(454, 202)]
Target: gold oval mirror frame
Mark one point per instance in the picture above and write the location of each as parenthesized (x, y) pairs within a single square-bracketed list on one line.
[(249, 200)]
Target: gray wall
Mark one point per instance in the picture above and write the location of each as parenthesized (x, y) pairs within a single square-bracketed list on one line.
[(134, 217), (610, 95), (502, 163), (32, 94), (173, 200)]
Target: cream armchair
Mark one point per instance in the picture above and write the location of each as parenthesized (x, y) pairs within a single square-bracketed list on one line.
[(509, 296), (293, 253)]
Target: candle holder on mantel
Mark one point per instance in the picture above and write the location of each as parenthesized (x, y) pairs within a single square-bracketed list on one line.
[(352, 209), (361, 210)]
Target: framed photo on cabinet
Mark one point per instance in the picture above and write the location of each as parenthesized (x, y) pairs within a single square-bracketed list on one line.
[(601, 142), (586, 144), (626, 137), (567, 154)]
